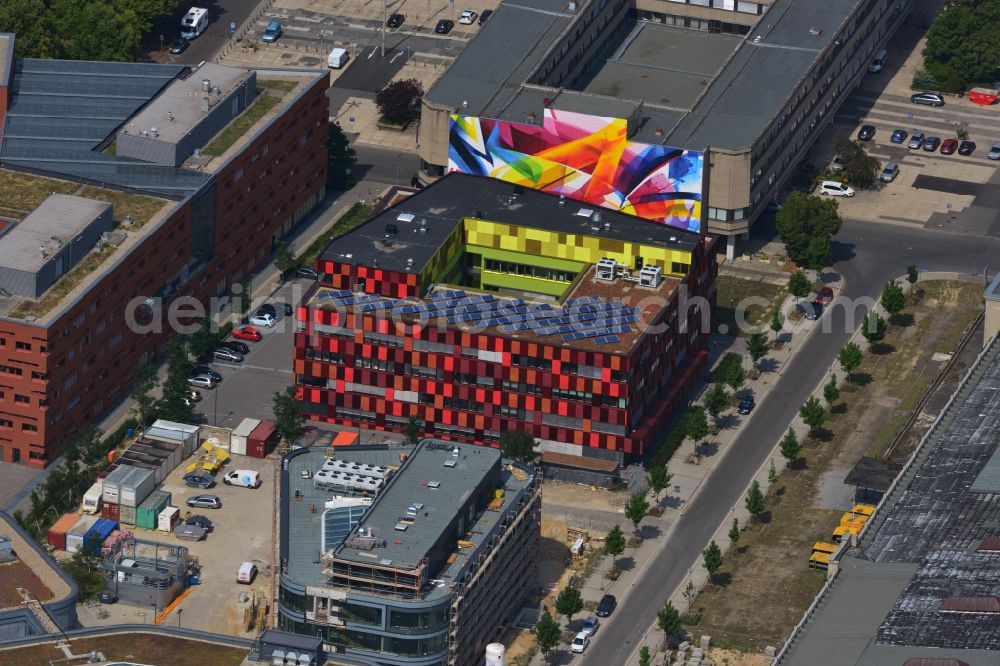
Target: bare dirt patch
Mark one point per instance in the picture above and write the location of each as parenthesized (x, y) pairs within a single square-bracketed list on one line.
[(17, 574), (582, 497), (137, 647), (762, 590)]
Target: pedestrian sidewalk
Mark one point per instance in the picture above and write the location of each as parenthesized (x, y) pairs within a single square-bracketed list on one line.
[(691, 466)]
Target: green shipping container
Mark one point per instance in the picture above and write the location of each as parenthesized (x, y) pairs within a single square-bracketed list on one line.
[(149, 510)]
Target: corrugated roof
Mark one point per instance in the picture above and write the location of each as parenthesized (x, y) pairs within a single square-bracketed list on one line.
[(579, 462), (976, 605)]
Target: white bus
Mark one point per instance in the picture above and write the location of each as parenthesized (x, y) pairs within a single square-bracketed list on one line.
[(194, 22)]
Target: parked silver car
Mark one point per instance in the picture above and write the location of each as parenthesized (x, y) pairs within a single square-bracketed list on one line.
[(889, 173), (227, 354)]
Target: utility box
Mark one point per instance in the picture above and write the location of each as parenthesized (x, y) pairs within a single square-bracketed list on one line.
[(168, 518)]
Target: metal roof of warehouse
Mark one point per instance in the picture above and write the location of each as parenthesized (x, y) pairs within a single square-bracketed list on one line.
[(60, 111), (933, 523)]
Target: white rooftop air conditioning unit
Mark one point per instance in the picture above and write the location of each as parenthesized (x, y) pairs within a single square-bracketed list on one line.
[(650, 276), (606, 270)]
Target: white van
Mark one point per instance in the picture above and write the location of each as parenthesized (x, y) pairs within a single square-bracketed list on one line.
[(878, 62), (247, 478), (194, 22), (337, 58), (246, 574)]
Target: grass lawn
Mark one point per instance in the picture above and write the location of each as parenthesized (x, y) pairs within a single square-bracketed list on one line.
[(351, 218), (137, 647), (757, 298), (764, 589), (243, 122), (21, 193), (17, 574), (278, 85)]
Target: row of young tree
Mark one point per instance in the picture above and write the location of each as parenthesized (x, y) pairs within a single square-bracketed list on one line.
[(82, 29)]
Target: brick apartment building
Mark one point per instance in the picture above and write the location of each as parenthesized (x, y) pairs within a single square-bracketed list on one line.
[(195, 211), (476, 307)]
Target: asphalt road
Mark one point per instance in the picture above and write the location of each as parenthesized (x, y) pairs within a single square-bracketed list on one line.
[(220, 14), (384, 166), (867, 256)]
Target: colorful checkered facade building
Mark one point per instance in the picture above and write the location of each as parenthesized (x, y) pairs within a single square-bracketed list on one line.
[(475, 308)]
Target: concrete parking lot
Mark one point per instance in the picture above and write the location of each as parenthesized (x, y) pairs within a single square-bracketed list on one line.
[(248, 388), (945, 192)]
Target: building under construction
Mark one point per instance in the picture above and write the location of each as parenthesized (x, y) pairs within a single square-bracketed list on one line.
[(146, 572), (426, 569)]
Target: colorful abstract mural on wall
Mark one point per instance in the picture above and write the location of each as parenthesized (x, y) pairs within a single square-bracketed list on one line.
[(587, 158)]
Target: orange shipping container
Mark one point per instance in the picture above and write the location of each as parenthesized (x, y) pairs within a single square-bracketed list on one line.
[(57, 533)]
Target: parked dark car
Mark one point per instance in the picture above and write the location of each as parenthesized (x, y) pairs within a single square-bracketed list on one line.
[(931, 143), (236, 346), (444, 26), (179, 45), (949, 146), (267, 309), (485, 16), (606, 605), (308, 273), (898, 136), (200, 521), (966, 147), (205, 370), (866, 133), (928, 98), (199, 479), (747, 404), (107, 598), (812, 310), (395, 20)]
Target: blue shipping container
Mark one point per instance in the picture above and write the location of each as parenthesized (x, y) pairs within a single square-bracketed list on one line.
[(94, 538)]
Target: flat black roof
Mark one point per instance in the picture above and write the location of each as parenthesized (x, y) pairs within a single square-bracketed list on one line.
[(444, 204)]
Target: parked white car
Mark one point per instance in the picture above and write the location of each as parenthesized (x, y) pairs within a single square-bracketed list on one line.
[(580, 643), (265, 320), (835, 189), (467, 17)]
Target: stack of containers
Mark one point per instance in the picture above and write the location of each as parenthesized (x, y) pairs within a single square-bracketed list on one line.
[(151, 508), (96, 535), (132, 490), (57, 533), (75, 534), (238, 440), (112, 490)]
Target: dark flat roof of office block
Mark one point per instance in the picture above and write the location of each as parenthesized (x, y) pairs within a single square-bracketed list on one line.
[(445, 203), (934, 522)]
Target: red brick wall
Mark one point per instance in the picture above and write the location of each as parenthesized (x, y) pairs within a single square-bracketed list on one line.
[(91, 356)]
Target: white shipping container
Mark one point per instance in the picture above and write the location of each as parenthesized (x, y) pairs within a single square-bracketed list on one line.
[(92, 498), (171, 431), (167, 518), (136, 487), (112, 482), (74, 537), (238, 440)]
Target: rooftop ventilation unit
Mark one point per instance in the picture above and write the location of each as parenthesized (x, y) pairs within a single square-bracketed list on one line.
[(562, 199), (585, 212), (451, 462), (391, 230), (152, 130), (409, 263), (401, 527), (206, 85), (650, 276), (606, 270), (434, 484)]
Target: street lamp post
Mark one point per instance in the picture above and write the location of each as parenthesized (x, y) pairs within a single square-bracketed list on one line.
[(179, 611), (215, 409), (384, 10)]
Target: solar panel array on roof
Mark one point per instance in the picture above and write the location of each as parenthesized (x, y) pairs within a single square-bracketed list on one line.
[(61, 110), (588, 318)]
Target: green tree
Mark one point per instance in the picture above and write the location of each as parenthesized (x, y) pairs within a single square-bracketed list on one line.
[(911, 274), (547, 634), (734, 530), (790, 447), (658, 478), (636, 509), (813, 415), (712, 559), (172, 404), (341, 158), (850, 358), (830, 391), (668, 619), (874, 327), (806, 225), (413, 430), (754, 501), (799, 285), (518, 445), (83, 29), (32, 22), (772, 475), (84, 569), (398, 99), (695, 423), (961, 45), (728, 365), (777, 322), (204, 340), (892, 299), (716, 400), (860, 169), (289, 416), (644, 656), (757, 346), (145, 403), (614, 543), (569, 602), (284, 260)]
